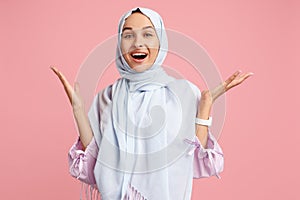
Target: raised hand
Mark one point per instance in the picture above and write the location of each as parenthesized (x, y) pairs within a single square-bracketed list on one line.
[(83, 124), (237, 78), (74, 96), (209, 96)]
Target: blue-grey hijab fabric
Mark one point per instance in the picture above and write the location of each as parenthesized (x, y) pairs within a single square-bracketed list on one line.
[(117, 135)]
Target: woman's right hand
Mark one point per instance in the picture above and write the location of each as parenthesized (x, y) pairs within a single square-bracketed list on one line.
[(74, 96), (83, 124)]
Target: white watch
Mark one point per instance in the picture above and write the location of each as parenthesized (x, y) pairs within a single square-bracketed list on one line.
[(204, 122)]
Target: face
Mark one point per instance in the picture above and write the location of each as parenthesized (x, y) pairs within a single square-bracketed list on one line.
[(139, 43)]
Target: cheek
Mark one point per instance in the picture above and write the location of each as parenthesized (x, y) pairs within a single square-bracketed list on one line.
[(153, 44), (154, 53), (154, 48), (125, 46)]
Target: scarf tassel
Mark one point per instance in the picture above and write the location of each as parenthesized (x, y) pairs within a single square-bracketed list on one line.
[(133, 194), (91, 192)]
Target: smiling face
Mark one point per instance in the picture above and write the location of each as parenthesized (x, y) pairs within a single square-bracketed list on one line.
[(139, 43)]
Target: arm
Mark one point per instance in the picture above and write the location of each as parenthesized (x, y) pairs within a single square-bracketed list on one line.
[(208, 155), (208, 97), (76, 100), (83, 125), (205, 105)]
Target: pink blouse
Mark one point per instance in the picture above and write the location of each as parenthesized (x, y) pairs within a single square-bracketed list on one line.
[(207, 161)]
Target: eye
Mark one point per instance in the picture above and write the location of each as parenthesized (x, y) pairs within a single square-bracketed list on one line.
[(148, 35), (127, 35)]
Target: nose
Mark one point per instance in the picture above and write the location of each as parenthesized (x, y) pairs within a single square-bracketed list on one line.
[(139, 42)]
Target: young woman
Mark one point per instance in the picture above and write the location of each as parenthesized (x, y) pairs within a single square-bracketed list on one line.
[(146, 136)]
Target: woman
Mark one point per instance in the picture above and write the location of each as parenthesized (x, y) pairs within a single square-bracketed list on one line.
[(140, 140)]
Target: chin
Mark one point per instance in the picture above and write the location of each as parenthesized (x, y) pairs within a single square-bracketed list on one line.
[(140, 68)]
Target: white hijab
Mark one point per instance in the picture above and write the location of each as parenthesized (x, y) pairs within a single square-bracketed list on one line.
[(140, 123), (155, 75)]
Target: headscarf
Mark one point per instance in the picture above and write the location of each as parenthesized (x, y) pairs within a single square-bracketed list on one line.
[(139, 124), (155, 75)]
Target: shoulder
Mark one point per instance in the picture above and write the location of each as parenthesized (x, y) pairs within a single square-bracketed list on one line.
[(195, 88), (107, 93), (186, 85)]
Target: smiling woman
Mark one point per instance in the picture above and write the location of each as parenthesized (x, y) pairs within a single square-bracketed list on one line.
[(139, 44), (146, 136)]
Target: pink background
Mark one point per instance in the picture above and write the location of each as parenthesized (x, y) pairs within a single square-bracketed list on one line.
[(260, 137)]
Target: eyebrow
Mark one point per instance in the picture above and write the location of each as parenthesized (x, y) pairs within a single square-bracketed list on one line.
[(129, 28)]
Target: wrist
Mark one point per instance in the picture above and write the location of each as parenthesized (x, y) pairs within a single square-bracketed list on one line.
[(204, 122), (204, 111), (78, 112)]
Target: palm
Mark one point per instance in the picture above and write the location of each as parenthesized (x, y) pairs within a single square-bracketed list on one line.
[(234, 80), (73, 94)]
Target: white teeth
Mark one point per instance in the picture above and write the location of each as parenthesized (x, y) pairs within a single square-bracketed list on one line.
[(138, 54)]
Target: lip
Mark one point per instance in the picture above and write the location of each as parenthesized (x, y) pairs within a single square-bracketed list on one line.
[(138, 60)]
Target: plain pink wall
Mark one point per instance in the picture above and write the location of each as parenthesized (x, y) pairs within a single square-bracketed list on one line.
[(260, 137)]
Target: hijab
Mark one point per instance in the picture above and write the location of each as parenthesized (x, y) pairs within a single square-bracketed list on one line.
[(140, 122), (155, 75)]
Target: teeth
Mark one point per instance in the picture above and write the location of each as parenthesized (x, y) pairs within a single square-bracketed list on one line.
[(138, 54)]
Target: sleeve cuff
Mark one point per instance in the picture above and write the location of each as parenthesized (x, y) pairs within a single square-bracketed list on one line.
[(207, 161), (80, 160), (211, 144)]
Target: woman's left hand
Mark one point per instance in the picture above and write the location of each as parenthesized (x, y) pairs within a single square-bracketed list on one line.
[(209, 96), (237, 78)]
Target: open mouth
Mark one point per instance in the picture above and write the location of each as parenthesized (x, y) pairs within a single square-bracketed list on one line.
[(139, 56)]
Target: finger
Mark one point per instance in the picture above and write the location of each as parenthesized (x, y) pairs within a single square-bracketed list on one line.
[(62, 78), (232, 77), (59, 75), (239, 80), (245, 76), (67, 86)]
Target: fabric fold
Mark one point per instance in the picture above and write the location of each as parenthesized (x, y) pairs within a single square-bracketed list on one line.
[(207, 161), (143, 126)]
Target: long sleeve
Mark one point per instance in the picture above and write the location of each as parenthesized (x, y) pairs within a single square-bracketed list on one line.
[(81, 163), (209, 161)]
